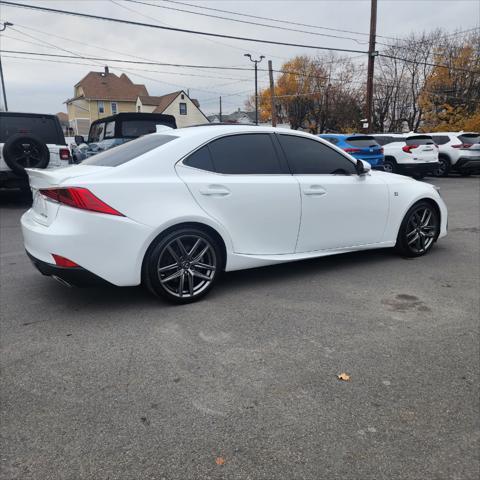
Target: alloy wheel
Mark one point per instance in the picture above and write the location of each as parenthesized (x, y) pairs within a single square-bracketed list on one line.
[(388, 167), (421, 230), (187, 266)]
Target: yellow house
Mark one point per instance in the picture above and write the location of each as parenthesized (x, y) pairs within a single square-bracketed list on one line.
[(100, 94)]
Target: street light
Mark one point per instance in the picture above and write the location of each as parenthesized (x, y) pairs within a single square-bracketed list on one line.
[(5, 25), (256, 83)]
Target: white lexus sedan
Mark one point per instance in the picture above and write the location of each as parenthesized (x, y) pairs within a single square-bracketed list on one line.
[(174, 209)]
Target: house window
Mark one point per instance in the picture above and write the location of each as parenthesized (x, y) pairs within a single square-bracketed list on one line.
[(101, 107), (183, 108), (114, 108)]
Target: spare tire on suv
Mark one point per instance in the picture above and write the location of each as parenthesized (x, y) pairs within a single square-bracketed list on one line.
[(25, 151)]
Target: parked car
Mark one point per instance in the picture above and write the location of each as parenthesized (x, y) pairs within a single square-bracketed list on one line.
[(29, 140), (458, 152), (362, 147), (112, 131), (410, 154), (173, 210)]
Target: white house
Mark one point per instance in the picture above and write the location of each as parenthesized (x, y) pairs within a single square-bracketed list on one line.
[(185, 109)]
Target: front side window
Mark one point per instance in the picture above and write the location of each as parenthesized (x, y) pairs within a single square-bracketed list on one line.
[(114, 108), (110, 130), (307, 156), (183, 108), (245, 154), (101, 107), (128, 151)]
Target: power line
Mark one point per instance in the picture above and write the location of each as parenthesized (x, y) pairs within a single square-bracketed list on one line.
[(174, 29), (244, 21)]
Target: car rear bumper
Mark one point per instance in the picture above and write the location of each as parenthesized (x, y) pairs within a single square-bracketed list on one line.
[(469, 164), (107, 246), (73, 276), (418, 168)]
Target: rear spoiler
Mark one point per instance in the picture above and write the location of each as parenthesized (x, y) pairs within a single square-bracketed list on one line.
[(47, 178)]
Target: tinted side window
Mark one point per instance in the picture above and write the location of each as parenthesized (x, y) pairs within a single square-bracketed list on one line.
[(200, 159), (307, 156), (245, 154), (43, 127), (440, 139), (128, 151)]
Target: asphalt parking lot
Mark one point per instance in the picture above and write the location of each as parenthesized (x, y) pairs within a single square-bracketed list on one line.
[(113, 384)]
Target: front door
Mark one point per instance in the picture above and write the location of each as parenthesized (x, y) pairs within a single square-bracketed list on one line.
[(340, 209)]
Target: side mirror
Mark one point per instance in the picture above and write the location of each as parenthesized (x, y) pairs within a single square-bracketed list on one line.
[(362, 167), (79, 139)]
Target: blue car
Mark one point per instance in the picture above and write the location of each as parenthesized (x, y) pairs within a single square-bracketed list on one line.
[(362, 147)]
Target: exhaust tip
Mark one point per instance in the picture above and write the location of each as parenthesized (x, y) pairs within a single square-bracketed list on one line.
[(62, 281)]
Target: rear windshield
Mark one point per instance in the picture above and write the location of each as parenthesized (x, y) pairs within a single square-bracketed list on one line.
[(128, 151), (137, 128), (469, 138), (420, 140), (45, 128), (365, 141), (441, 139)]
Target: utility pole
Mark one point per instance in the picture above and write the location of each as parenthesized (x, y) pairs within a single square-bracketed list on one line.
[(272, 94), (256, 62), (220, 116), (5, 25), (371, 61)]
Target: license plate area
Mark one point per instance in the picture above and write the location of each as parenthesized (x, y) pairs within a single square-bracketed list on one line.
[(44, 210)]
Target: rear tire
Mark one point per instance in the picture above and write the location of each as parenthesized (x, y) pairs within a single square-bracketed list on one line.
[(389, 165), (419, 230), (183, 265), (444, 168)]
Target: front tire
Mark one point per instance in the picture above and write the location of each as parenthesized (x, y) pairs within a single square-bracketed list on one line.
[(419, 230), (389, 165), (183, 265)]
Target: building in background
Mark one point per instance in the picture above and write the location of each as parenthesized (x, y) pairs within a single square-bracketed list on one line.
[(238, 117), (101, 94), (186, 110)]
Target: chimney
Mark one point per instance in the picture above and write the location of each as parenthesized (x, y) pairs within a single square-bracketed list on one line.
[(106, 70)]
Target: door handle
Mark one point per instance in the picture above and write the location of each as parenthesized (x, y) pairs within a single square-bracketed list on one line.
[(314, 190), (215, 190)]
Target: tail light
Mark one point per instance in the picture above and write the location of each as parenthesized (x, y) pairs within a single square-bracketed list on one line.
[(409, 148), (81, 198), (351, 150), (463, 145), (64, 262), (64, 154)]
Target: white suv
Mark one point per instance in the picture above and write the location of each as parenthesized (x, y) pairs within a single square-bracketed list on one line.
[(29, 140), (411, 154), (458, 152)]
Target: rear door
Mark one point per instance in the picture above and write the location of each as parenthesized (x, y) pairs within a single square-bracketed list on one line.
[(241, 182)]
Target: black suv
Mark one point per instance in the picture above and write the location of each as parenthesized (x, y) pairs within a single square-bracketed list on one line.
[(29, 140), (109, 132)]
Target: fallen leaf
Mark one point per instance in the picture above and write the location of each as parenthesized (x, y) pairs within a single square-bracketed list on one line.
[(219, 460), (344, 377)]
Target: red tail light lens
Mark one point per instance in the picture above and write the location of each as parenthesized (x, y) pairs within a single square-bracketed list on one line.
[(409, 148), (463, 145), (352, 150), (64, 154), (63, 262), (81, 198)]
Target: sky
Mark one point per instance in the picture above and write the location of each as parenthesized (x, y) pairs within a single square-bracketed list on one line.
[(43, 86)]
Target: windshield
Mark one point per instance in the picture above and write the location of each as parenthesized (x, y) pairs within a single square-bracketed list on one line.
[(128, 151)]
